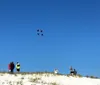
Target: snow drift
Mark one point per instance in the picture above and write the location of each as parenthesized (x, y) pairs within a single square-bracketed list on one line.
[(44, 79)]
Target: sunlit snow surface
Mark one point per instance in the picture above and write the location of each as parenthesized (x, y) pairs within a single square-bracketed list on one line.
[(44, 79)]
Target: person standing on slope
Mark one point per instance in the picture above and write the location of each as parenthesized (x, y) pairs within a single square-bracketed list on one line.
[(12, 66), (71, 71), (18, 67), (75, 72), (9, 67)]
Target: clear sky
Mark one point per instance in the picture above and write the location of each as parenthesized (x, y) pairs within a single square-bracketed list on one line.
[(71, 35)]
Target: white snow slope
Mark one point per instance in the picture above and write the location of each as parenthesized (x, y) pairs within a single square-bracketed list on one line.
[(44, 79)]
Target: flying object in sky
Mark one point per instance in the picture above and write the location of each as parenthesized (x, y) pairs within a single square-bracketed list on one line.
[(40, 32)]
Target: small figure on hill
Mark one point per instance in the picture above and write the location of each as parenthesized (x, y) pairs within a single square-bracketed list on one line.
[(12, 65), (75, 72), (71, 71), (9, 67), (18, 67), (55, 71)]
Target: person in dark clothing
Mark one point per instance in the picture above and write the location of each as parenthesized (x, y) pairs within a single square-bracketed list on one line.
[(75, 72), (71, 71), (12, 67)]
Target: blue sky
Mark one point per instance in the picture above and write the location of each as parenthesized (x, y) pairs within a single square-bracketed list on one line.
[(71, 35)]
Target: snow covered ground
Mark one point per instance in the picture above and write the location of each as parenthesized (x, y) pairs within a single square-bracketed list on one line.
[(44, 79)]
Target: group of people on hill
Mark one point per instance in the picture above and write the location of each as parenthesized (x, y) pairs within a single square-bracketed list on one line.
[(11, 67), (73, 71)]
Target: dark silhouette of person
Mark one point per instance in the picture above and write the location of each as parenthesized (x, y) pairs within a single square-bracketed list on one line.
[(71, 70), (12, 65), (75, 72)]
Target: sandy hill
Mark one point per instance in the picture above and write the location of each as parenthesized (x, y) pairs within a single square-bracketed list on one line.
[(44, 79)]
